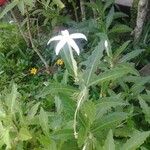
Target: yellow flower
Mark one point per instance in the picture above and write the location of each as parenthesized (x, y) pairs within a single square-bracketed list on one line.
[(33, 71), (60, 62)]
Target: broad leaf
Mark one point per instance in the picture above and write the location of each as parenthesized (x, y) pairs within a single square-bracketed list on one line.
[(135, 141), (109, 142), (43, 119), (11, 100), (24, 134)]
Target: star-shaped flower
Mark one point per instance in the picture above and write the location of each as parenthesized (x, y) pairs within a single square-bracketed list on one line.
[(67, 38)]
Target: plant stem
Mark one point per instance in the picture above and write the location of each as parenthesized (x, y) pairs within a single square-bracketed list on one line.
[(19, 27), (32, 43), (73, 63), (82, 7), (81, 98), (75, 11)]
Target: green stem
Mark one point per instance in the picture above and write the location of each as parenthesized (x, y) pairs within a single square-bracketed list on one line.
[(81, 98), (75, 11), (73, 63), (32, 43)]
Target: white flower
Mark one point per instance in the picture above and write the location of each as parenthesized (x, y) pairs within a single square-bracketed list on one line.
[(67, 38)]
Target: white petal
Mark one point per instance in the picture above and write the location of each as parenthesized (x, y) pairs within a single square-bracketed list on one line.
[(78, 36), (59, 46), (72, 43), (65, 33), (56, 38)]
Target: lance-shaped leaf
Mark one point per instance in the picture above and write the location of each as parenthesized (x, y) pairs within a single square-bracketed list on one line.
[(135, 141), (109, 142), (145, 109), (92, 63), (114, 74), (108, 121)]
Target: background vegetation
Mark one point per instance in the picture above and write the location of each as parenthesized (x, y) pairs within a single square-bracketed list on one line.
[(99, 102)]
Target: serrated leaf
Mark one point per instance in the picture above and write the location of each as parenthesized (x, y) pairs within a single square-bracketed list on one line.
[(68, 106), (56, 88), (106, 104), (120, 29), (11, 99), (92, 62), (32, 112), (109, 121), (130, 55), (135, 141), (109, 142), (120, 49), (89, 111), (24, 134), (6, 139), (63, 135), (145, 109), (109, 18), (120, 15), (138, 87), (108, 3), (113, 74), (43, 119)]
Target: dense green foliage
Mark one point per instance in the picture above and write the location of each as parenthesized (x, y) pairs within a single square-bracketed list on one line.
[(94, 101)]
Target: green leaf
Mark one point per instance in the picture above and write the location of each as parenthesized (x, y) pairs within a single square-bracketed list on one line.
[(63, 135), (21, 7), (109, 121), (130, 55), (106, 104), (11, 99), (32, 112), (43, 119), (89, 111), (68, 106), (55, 89), (120, 29), (108, 3), (109, 18), (120, 15), (109, 142), (135, 141), (120, 49), (113, 74), (6, 139), (139, 83), (24, 134), (8, 8), (145, 109), (92, 63)]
